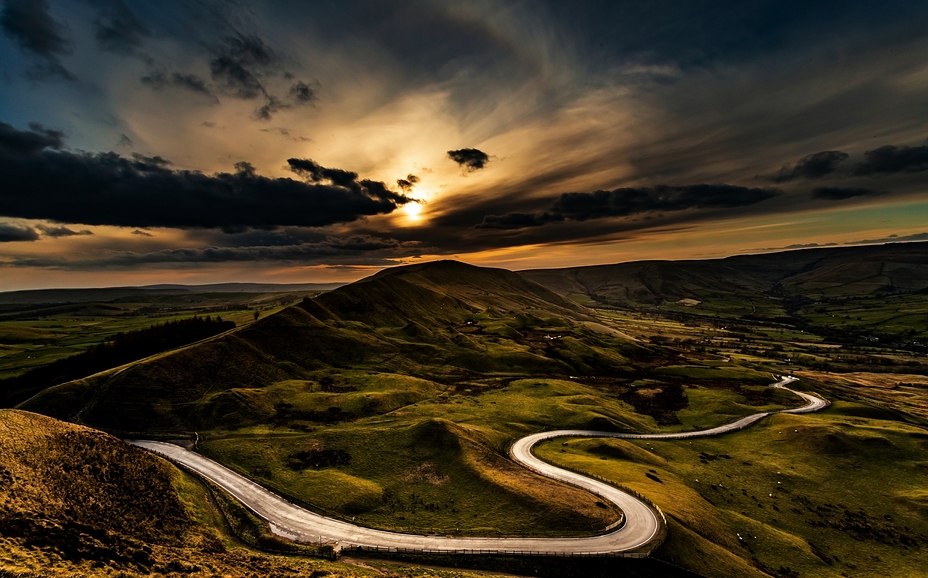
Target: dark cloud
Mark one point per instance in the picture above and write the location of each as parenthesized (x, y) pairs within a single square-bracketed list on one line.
[(237, 66), (631, 201), (302, 93), (812, 167), (155, 160), (31, 26), (469, 159), (62, 231), (237, 70), (20, 142), (141, 233), (888, 160), (345, 179), (272, 105), (117, 29), (191, 82), (106, 189), (515, 221), (839, 194), (10, 233), (408, 183)]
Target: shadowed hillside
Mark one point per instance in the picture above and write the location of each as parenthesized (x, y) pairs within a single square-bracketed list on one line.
[(813, 272), (870, 287), (438, 293), (437, 319)]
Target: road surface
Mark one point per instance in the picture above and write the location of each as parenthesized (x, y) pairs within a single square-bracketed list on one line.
[(641, 524)]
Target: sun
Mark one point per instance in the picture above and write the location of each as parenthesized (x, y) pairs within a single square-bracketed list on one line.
[(413, 211)]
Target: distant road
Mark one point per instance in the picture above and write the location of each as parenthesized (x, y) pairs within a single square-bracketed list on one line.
[(640, 526)]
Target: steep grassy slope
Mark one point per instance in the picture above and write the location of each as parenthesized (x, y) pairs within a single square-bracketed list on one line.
[(78, 502), (442, 318)]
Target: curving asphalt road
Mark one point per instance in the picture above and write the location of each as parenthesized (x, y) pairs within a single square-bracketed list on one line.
[(641, 523)]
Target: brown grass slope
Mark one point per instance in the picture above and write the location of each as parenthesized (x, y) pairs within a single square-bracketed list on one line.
[(87, 497)]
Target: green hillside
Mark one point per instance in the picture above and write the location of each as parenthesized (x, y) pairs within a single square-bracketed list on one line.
[(391, 403), (393, 365), (436, 320), (878, 290)]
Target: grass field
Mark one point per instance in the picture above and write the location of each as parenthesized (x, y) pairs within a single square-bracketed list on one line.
[(93, 517), (446, 470), (391, 403), (35, 336), (828, 494)]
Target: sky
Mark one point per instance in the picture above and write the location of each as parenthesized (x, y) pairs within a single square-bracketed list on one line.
[(207, 141)]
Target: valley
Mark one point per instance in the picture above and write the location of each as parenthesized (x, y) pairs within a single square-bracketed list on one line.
[(392, 404)]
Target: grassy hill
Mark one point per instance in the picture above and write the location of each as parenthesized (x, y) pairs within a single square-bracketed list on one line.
[(858, 271), (78, 502), (387, 367), (436, 320), (391, 402), (872, 289)]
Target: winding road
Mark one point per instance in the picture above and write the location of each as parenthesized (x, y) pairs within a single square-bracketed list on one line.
[(640, 528)]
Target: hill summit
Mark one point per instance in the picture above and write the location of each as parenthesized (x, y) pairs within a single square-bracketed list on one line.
[(438, 292)]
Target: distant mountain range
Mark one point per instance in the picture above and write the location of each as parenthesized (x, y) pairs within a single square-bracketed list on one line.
[(765, 280), (35, 296)]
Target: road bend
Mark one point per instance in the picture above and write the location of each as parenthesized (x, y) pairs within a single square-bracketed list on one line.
[(641, 524)]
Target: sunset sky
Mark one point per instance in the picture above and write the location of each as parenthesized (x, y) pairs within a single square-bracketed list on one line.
[(181, 141)]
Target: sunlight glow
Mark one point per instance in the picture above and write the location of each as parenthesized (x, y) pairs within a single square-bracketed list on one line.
[(413, 211)]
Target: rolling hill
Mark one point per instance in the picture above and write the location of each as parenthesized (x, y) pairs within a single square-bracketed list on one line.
[(806, 288), (437, 319), (76, 502)]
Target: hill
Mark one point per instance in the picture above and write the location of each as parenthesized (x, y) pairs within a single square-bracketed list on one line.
[(82, 501), (435, 320), (806, 288), (76, 502), (439, 293)]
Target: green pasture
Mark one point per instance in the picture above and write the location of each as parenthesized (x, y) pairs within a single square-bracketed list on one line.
[(41, 335), (829, 494)]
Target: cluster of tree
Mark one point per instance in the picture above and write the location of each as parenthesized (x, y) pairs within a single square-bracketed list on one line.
[(114, 351)]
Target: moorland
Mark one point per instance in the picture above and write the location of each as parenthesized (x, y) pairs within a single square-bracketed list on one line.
[(391, 403)]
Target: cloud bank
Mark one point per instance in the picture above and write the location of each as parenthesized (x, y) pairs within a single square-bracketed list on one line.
[(44, 181), (625, 202)]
